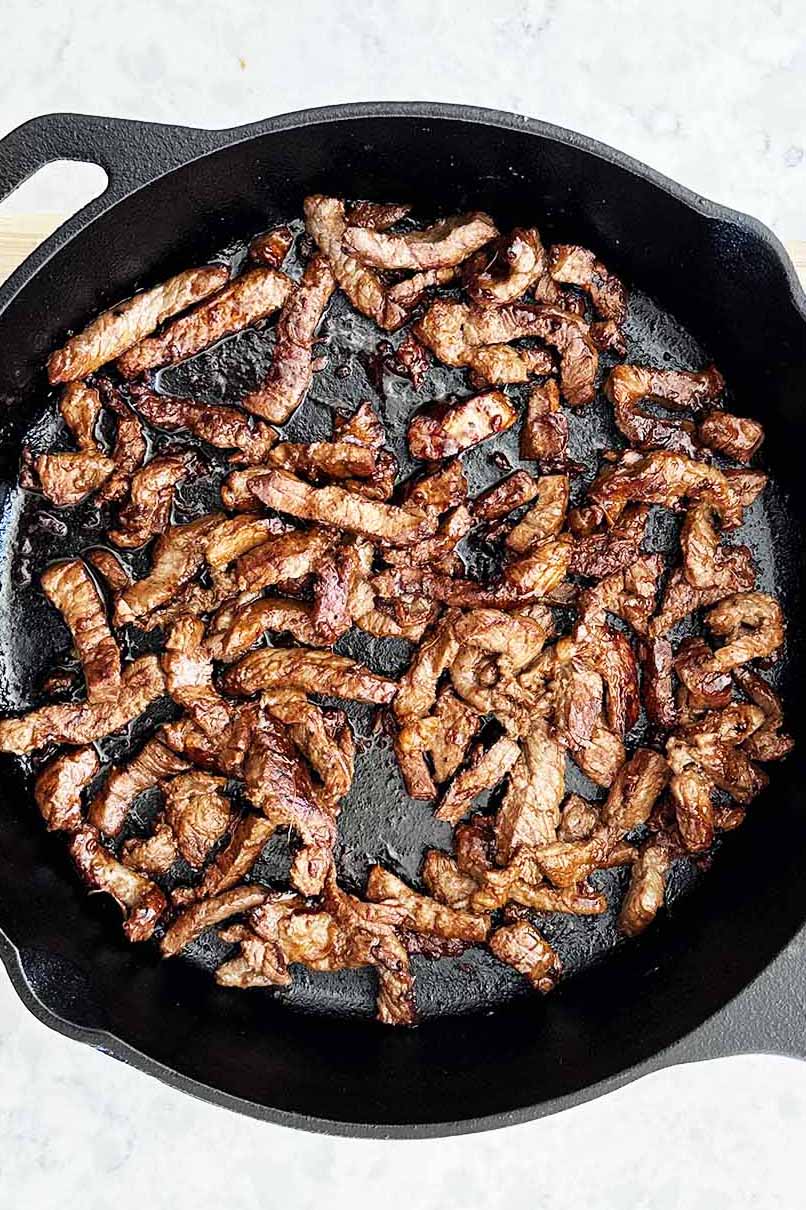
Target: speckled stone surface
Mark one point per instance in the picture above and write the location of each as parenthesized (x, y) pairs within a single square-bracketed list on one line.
[(709, 93)]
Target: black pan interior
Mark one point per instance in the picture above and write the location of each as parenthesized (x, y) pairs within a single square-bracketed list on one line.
[(698, 291)]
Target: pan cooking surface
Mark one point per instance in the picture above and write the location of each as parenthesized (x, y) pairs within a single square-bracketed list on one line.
[(378, 822)]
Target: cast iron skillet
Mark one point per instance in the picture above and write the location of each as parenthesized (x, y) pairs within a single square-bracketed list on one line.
[(724, 974)]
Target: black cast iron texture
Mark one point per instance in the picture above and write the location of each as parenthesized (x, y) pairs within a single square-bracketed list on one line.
[(722, 975)]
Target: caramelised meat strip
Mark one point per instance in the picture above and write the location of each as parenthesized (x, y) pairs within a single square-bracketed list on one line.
[(309, 670), (601, 554), (699, 543), (116, 575), (280, 559), (148, 510), (377, 215), (201, 916), (68, 478), (736, 573), (231, 537), (178, 555), (647, 888), (529, 578), (508, 494), (188, 672), (197, 813), (453, 329), (752, 624), (438, 552), (417, 688), (253, 296), (83, 722), (663, 477), (154, 854), (142, 901), (270, 248), (530, 812), (408, 292), (522, 946), (129, 451), (706, 687), (446, 243), (446, 881), (690, 791), (291, 370), (444, 429), (421, 913), (70, 587), (545, 518), (153, 764), (60, 785), (445, 733), (249, 622), (325, 459), (544, 436), (224, 427), (237, 858), (503, 272), (630, 594), (326, 222), (502, 364), (323, 736), (572, 265), (768, 742), (487, 767), (115, 331), (578, 819), (340, 508), (656, 683), (601, 757), (737, 436)]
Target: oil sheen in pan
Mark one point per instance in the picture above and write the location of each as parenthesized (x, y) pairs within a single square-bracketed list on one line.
[(378, 822)]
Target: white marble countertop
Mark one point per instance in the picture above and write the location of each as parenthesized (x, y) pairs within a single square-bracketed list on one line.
[(711, 94)]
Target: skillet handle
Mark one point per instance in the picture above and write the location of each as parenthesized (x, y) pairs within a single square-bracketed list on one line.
[(131, 153), (767, 1017)]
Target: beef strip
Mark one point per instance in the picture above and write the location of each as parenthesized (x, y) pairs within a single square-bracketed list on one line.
[(309, 670), (503, 364), (504, 271), (522, 946), (544, 436), (253, 296), (142, 901), (530, 812), (71, 589), (117, 330), (752, 624), (445, 429), (221, 426), (188, 670), (677, 390), (236, 859), (656, 683), (486, 768), (83, 722), (602, 554), (291, 370), (417, 688), (545, 518), (446, 243), (647, 888), (768, 742), (663, 477), (201, 916), (505, 496), (178, 555), (737, 436), (270, 248), (124, 783), (326, 222), (68, 478), (148, 510), (736, 572), (452, 330), (325, 459), (59, 787), (446, 882), (154, 854), (421, 913), (129, 451), (197, 813), (335, 506)]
